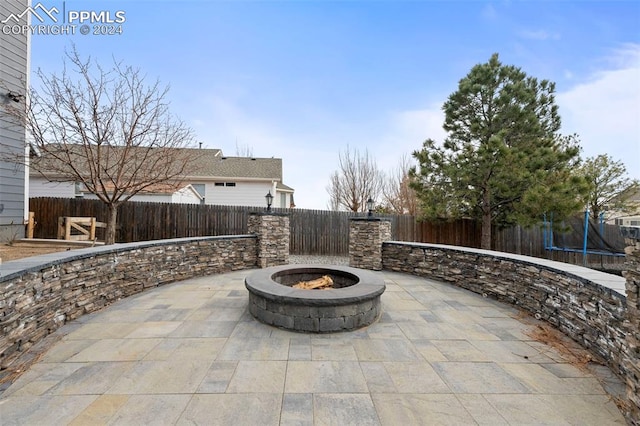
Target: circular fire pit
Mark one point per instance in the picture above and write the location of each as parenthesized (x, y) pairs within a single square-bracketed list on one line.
[(352, 302)]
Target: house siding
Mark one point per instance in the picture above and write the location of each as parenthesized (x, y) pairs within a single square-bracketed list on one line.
[(149, 198), (14, 73), (235, 191), (40, 187), (243, 194), (184, 196)]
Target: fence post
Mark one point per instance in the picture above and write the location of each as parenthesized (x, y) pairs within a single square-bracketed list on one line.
[(61, 228), (31, 224), (366, 236), (272, 230)]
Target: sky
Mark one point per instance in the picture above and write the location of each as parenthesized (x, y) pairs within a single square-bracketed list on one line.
[(304, 80)]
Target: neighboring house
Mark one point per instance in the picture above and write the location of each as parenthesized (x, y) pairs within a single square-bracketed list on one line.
[(632, 218), (184, 194), (14, 76), (214, 179), (240, 181), (170, 194)]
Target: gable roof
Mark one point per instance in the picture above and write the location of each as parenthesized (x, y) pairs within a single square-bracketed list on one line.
[(284, 188), (208, 163), (216, 166)]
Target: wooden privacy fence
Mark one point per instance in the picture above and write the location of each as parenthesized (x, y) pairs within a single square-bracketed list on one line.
[(313, 232)]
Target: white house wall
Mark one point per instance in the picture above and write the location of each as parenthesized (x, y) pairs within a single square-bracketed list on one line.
[(185, 196), (148, 198), (243, 194), (40, 187)]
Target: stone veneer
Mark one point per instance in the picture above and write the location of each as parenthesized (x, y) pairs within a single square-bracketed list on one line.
[(632, 325), (587, 305), (366, 236), (272, 230), (40, 294), (353, 304)]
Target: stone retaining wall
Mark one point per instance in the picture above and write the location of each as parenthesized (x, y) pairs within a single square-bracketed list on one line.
[(40, 294), (272, 230), (587, 305), (632, 328), (366, 236)]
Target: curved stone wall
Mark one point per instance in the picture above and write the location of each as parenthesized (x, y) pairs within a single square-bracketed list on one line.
[(587, 305), (40, 294)]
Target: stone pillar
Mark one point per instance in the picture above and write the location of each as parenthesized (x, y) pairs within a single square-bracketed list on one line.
[(272, 230), (631, 350), (366, 236)]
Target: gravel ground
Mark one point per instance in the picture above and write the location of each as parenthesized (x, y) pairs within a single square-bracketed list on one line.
[(323, 260), (13, 252)]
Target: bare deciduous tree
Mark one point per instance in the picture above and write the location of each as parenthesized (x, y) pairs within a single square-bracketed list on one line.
[(108, 130), (244, 150), (356, 179), (398, 196)]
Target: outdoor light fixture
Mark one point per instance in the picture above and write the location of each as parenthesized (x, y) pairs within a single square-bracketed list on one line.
[(370, 207), (269, 199), (15, 97)]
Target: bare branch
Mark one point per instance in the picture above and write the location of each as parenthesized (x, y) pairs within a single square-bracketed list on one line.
[(244, 150), (357, 179), (108, 129), (397, 194)]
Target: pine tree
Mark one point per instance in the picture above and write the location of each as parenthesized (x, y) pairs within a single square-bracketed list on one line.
[(503, 160)]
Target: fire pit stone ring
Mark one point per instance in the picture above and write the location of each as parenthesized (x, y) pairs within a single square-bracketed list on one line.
[(354, 302)]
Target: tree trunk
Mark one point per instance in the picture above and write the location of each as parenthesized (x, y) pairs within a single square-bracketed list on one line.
[(110, 235), (485, 239)]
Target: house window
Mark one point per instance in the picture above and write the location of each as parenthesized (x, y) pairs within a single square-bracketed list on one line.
[(635, 223), (230, 184), (283, 200), (78, 189), (199, 187), (219, 184)]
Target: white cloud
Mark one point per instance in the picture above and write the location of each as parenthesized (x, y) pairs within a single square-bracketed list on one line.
[(540, 35), (311, 155), (221, 123), (605, 110), (406, 131), (307, 159), (489, 12)]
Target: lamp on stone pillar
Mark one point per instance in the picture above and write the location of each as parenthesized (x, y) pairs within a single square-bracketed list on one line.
[(370, 207), (269, 199)]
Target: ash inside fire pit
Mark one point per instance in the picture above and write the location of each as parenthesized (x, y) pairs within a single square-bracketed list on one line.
[(352, 302)]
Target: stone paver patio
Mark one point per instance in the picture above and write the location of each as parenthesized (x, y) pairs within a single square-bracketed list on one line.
[(189, 353)]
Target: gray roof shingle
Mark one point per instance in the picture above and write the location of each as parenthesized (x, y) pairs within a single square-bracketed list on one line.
[(211, 164)]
